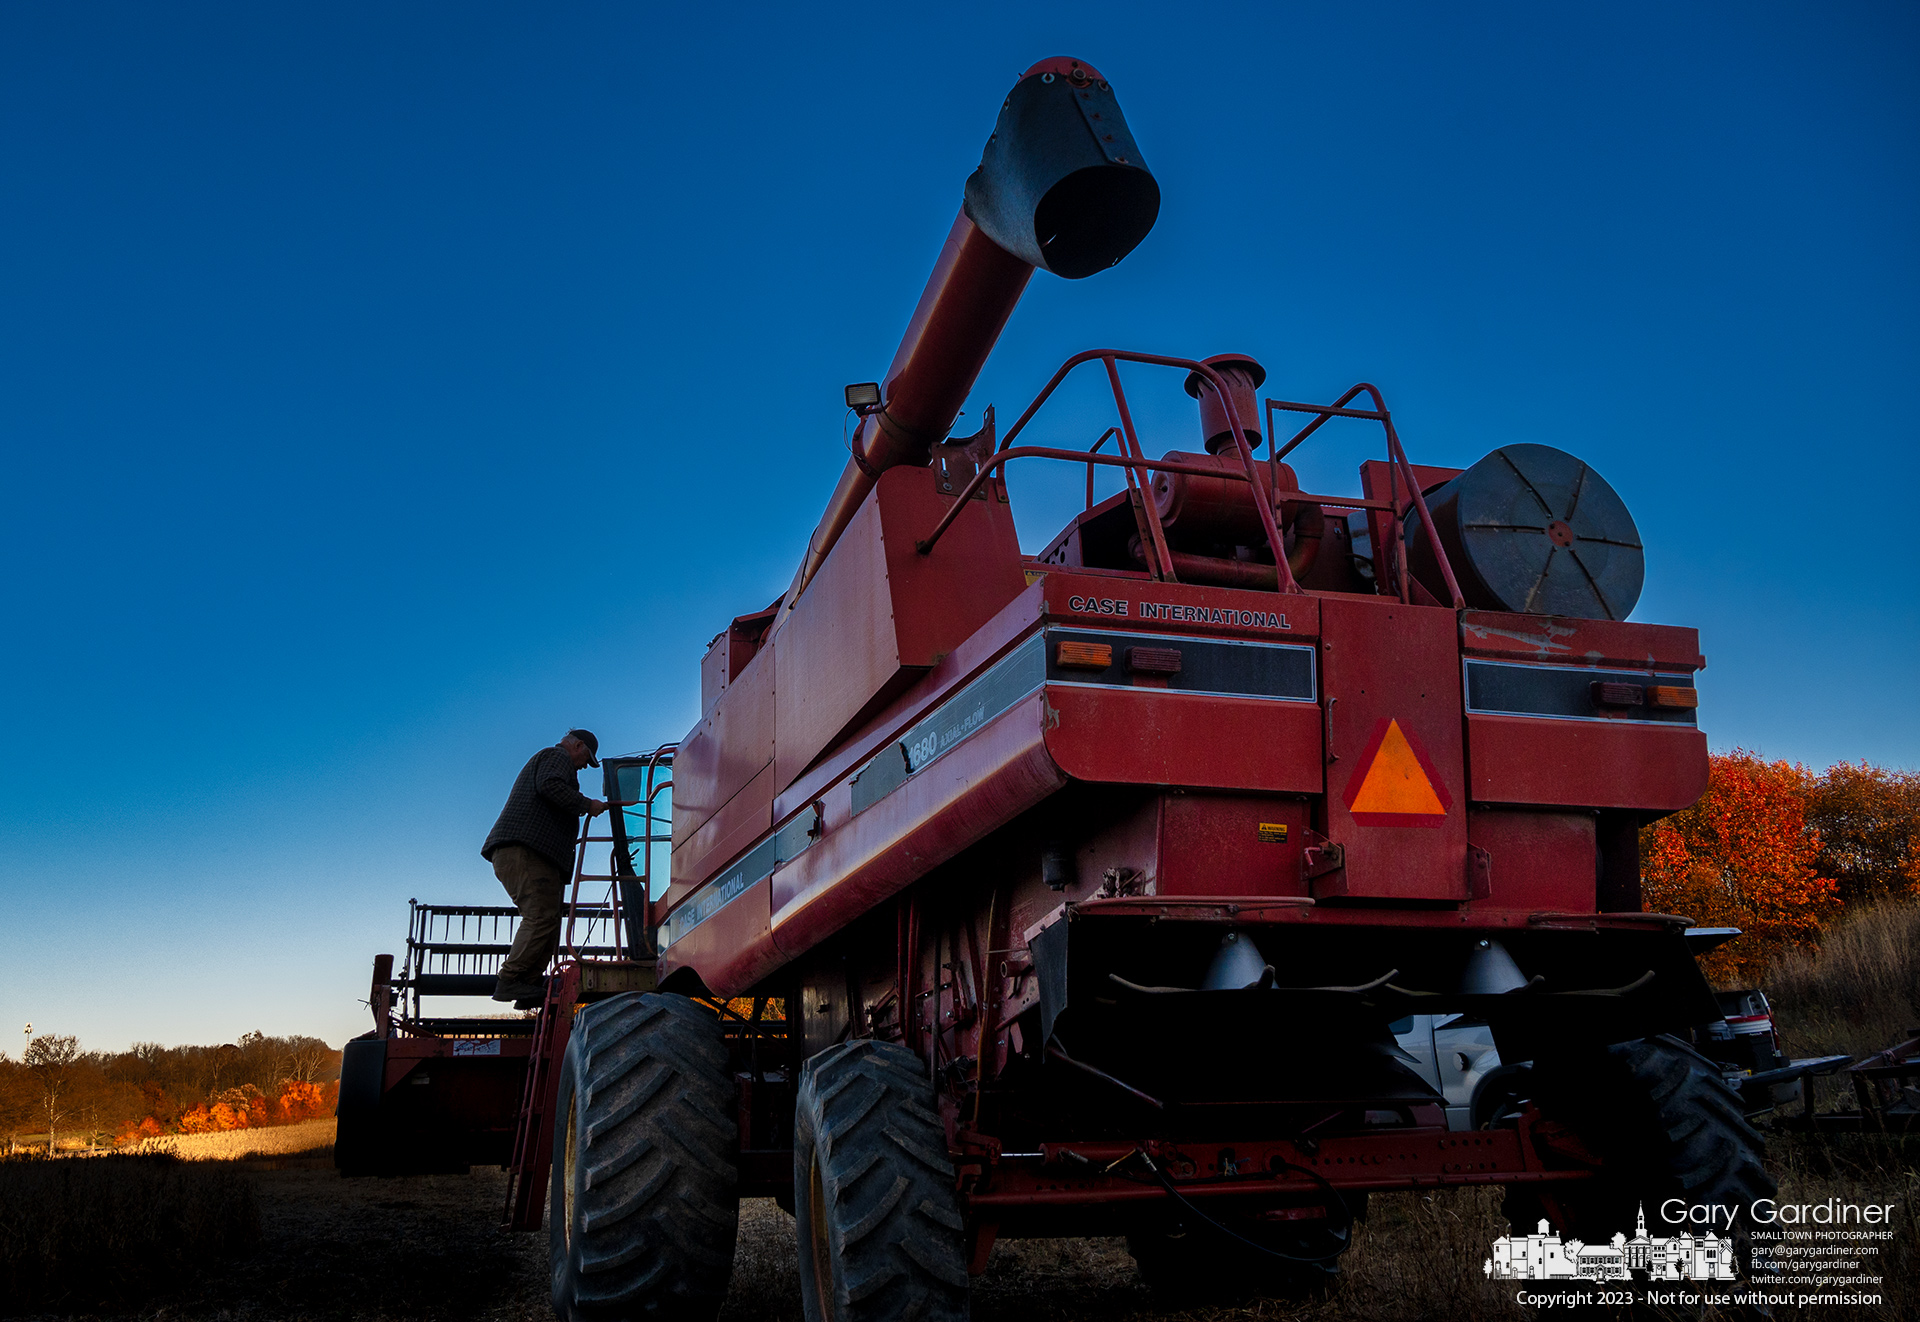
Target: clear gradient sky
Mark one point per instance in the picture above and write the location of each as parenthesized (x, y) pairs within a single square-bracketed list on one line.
[(385, 388)]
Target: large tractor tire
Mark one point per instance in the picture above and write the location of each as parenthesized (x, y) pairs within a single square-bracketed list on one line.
[(645, 1198), (1666, 1125), (880, 1229), (361, 1143)]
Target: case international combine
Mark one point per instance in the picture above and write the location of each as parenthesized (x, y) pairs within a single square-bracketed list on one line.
[(1077, 893)]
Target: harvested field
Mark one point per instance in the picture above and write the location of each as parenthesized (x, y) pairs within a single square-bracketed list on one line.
[(86, 1232), (311, 1138), (429, 1248)]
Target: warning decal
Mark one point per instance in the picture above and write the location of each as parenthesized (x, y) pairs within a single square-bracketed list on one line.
[(1396, 783)]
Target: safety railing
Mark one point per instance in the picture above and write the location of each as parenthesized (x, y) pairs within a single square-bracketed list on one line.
[(457, 949), (1136, 466), (635, 782), (1399, 470)]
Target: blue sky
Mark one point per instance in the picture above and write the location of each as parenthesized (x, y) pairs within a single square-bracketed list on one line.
[(384, 389)]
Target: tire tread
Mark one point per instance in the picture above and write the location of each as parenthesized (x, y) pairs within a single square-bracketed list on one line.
[(893, 1212), (657, 1202)]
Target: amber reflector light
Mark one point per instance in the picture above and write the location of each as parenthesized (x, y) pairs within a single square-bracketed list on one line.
[(1672, 695), (1085, 656)]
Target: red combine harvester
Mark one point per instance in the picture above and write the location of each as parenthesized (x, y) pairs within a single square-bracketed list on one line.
[(1079, 893)]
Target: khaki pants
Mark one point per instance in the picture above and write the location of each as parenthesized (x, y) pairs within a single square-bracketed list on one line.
[(538, 890)]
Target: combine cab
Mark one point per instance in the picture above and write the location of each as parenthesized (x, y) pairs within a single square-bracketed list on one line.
[(1083, 893)]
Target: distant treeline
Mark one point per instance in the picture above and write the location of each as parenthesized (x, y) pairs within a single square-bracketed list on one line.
[(1783, 852), (58, 1092)]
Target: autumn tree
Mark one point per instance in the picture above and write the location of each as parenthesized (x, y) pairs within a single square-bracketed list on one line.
[(1869, 824), (19, 1099), (1744, 856), (309, 1060), (52, 1060)]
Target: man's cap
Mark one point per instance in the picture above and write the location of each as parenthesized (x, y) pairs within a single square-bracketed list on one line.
[(593, 745)]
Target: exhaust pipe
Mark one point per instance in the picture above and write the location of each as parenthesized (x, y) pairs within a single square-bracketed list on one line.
[(1061, 187)]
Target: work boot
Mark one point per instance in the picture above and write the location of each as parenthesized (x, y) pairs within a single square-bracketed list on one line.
[(518, 990)]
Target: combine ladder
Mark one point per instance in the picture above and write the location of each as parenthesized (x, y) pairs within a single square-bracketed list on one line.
[(585, 973)]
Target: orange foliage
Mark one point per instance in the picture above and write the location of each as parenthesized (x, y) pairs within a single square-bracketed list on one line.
[(1743, 856), (246, 1107), (1869, 820), (135, 1130), (304, 1101)]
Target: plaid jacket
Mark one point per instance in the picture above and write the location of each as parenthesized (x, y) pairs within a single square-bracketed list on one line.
[(543, 810)]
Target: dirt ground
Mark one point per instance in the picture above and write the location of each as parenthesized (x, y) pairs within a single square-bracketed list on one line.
[(429, 1249)]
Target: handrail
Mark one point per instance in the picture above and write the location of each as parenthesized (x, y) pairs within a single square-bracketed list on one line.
[(1135, 461), (1111, 358), (1105, 436), (1396, 456), (1136, 466), (926, 544)]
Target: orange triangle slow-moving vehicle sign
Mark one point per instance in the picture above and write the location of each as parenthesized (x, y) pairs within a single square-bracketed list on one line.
[(1395, 783)]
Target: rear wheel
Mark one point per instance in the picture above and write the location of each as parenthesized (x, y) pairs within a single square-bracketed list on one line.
[(880, 1231), (1666, 1125), (645, 1203), (360, 1145)]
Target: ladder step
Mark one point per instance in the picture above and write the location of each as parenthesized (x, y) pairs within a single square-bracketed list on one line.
[(470, 1027), (470, 948), (453, 984), (504, 910)]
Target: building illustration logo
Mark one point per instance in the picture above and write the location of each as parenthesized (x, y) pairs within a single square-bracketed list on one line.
[(1543, 1256)]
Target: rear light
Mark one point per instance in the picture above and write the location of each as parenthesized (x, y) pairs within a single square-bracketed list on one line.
[(1085, 656), (1153, 660), (1672, 695), (1606, 694)]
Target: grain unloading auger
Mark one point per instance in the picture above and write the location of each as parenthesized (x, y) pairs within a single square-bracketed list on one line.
[(1077, 893)]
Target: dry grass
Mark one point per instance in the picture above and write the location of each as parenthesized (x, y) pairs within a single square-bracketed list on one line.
[(1415, 1259), (85, 1233), (1859, 1168), (309, 1137), (1860, 992)]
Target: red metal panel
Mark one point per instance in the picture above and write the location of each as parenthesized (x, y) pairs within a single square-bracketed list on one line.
[(1142, 736), (1377, 482), (1396, 782), (713, 672), (986, 645), (985, 781), (733, 741), (1477, 916), (1588, 764), (731, 950), (1395, 1159), (1569, 641), (1216, 844), (878, 614), (837, 649), (1180, 608), (1540, 860), (940, 599), (745, 817)]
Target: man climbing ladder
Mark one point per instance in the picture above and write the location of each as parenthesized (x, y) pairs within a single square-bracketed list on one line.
[(531, 849)]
